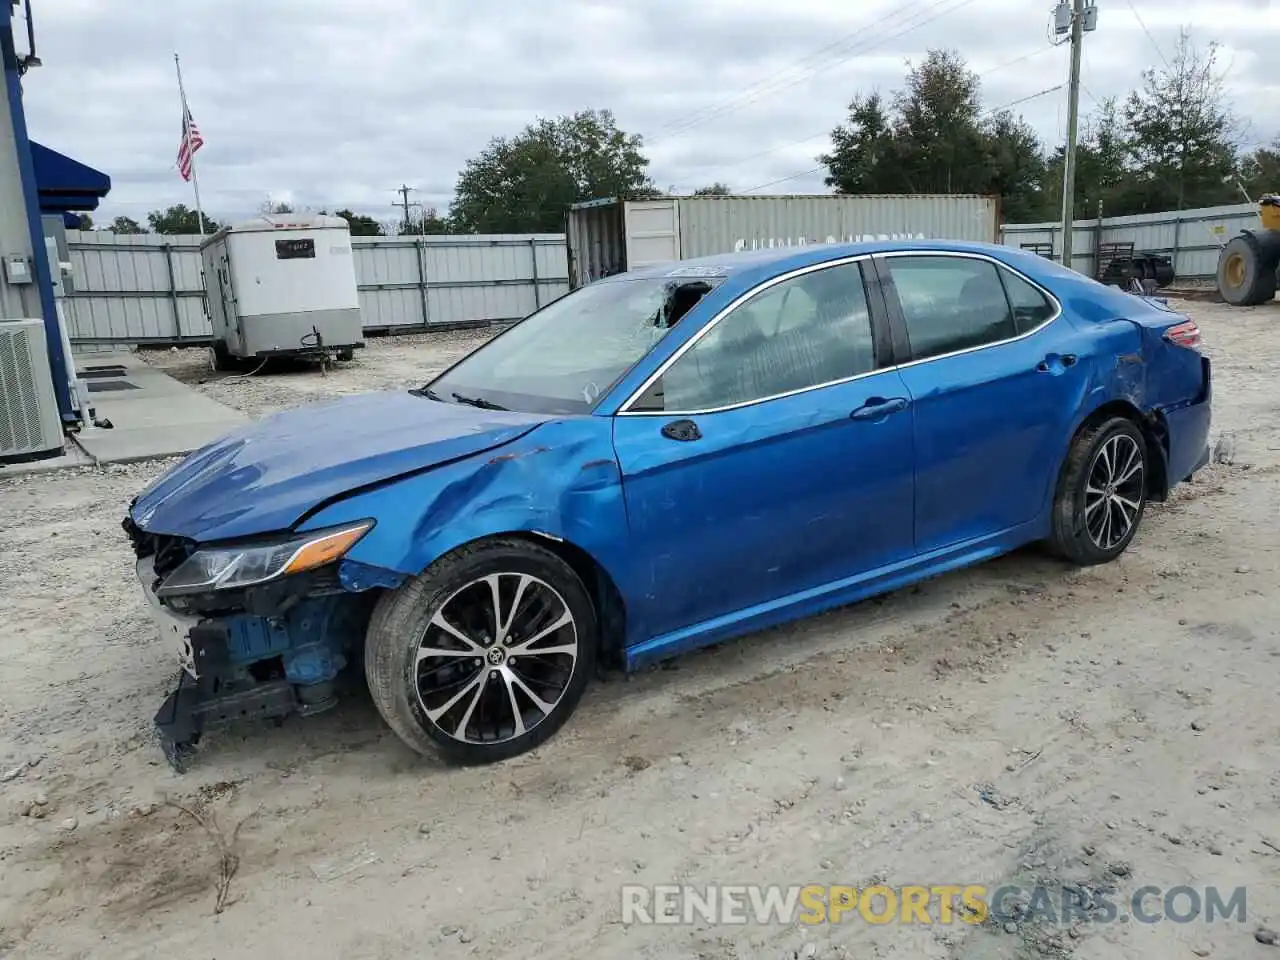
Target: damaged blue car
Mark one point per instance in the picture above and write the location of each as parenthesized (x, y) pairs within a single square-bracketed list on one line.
[(657, 461)]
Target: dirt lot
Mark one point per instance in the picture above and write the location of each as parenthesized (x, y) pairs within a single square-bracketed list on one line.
[(1016, 723)]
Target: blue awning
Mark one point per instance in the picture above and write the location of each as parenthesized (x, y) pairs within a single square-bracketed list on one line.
[(63, 184)]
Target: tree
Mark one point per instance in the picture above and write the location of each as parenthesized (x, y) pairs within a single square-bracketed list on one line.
[(428, 222), (716, 189), (1016, 168), (862, 155), (1172, 144), (84, 222), (177, 219), (126, 225), (272, 208), (1181, 134), (526, 183), (361, 225), (1260, 170), (1103, 173), (932, 137), (941, 146)]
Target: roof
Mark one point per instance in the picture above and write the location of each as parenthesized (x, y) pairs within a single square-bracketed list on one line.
[(64, 184), (273, 222), (779, 259)]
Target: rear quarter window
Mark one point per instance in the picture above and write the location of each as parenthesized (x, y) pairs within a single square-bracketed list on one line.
[(1031, 308)]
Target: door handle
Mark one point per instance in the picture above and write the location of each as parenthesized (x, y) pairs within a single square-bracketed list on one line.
[(1056, 359), (684, 430), (878, 407)]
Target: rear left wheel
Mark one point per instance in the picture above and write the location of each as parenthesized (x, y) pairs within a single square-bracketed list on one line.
[(1102, 493), (485, 655)]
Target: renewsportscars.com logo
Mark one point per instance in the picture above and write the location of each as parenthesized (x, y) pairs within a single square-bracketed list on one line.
[(925, 905)]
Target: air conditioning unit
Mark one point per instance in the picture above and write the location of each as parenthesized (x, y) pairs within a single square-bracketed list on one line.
[(30, 427)]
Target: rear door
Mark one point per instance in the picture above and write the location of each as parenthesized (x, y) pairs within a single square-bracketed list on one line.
[(995, 377), (771, 456)]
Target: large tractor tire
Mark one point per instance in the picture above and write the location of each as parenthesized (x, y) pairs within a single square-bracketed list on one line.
[(1247, 268)]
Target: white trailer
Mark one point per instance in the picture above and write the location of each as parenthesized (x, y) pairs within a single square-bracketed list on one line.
[(282, 285)]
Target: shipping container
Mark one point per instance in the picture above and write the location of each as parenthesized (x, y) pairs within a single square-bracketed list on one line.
[(605, 237)]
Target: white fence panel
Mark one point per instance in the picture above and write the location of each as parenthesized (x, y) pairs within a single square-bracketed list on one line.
[(148, 289), (1192, 238)]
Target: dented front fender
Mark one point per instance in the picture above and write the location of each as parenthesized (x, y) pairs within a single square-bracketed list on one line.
[(561, 479)]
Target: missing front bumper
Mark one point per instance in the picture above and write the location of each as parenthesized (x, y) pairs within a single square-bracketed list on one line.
[(209, 697)]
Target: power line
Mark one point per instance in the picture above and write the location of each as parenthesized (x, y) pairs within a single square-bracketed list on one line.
[(737, 103), (858, 49), (1137, 16), (814, 136), (794, 176), (1032, 96), (1044, 48), (766, 81), (751, 156), (1005, 106)]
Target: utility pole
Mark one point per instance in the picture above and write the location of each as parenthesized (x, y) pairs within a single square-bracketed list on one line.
[(405, 203), (1077, 18)]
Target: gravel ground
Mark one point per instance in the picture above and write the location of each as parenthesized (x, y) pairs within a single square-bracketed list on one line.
[(1019, 722), (386, 363)]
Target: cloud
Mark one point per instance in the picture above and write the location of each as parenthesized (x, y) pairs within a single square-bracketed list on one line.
[(335, 103)]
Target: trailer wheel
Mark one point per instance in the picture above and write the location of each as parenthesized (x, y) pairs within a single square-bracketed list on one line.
[(1247, 268), (220, 358)]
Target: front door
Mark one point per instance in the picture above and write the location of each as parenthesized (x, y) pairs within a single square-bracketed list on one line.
[(771, 457), (994, 383)]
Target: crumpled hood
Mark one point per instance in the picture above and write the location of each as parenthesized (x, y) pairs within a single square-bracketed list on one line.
[(263, 477)]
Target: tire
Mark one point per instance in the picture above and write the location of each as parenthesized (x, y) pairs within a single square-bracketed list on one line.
[(345, 355), (1079, 532), (1247, 268), (220, 358), (481, 726)]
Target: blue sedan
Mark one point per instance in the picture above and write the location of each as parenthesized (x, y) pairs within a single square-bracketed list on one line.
[(658, 461)]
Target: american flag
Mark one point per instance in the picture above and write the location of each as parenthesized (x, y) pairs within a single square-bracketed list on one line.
[(191, 142)]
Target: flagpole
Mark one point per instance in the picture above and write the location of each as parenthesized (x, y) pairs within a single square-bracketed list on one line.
[(186, 136)]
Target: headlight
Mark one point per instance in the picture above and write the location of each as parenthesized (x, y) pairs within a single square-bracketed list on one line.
[(226, 568)]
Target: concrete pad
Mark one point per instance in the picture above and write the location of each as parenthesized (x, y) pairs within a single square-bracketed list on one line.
[(72, 456), (161, 418)]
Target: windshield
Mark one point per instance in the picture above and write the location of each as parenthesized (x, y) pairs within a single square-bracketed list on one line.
[(562, 358)]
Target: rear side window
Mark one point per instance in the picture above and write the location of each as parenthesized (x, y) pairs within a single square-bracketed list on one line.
[(950, 303), (1030, 307)]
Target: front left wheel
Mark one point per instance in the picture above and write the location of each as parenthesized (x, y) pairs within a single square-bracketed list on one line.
[(484, 655)]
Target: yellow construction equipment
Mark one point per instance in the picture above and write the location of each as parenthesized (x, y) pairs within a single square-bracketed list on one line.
[(1249, 265)]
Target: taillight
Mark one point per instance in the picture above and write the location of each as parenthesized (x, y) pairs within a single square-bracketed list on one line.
[(1184, 335)]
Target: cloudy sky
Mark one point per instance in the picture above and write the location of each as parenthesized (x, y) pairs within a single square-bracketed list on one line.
[(336, 103)]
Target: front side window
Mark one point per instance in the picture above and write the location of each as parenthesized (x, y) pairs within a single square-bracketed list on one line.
[(809, 330), (950, 303), (562, 358)]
